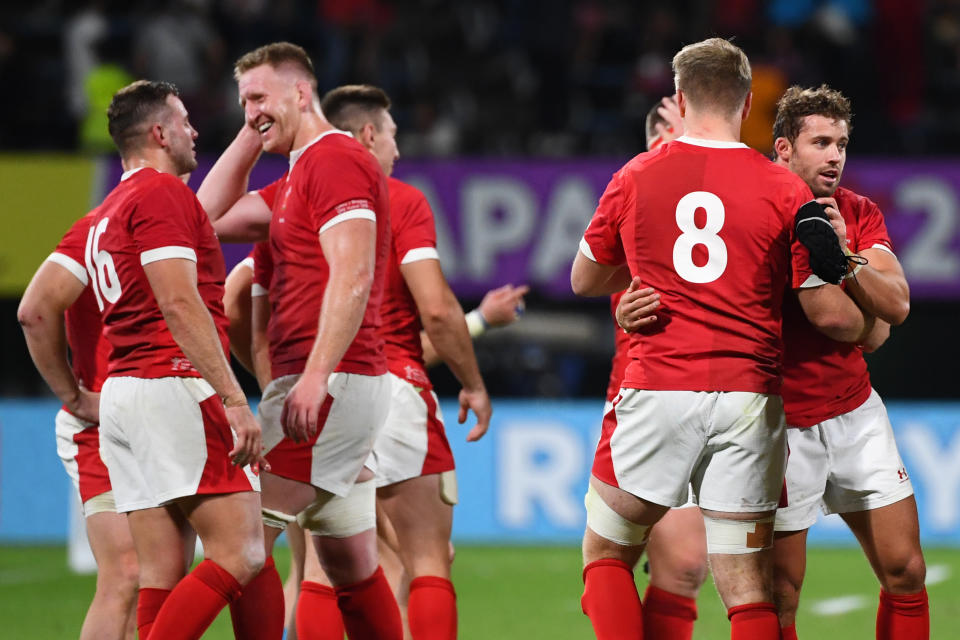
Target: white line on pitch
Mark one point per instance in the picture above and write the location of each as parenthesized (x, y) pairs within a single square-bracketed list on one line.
[(839, 606), (937, 573)]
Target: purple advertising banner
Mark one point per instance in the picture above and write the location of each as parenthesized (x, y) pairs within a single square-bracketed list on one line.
[(520, 221)]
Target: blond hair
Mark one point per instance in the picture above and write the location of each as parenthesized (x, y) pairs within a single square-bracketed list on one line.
[(277, 54), (713, 74)]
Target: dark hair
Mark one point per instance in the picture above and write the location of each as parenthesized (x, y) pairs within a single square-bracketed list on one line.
[(714, 74), (797, 103), (132, 107), (653, 119), (351, 106), (277, 54)]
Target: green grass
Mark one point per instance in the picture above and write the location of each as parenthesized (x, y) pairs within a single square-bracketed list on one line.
[(513, 592)]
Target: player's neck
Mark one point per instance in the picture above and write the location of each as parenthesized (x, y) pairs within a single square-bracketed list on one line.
[(311, 126), (710, 127), (149, 158)]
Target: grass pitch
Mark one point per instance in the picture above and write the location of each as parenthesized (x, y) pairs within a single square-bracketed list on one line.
[(510, 592)]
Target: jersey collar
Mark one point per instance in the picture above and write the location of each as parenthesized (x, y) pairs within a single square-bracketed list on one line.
[(713, 144), (127, 174), (296, 153)]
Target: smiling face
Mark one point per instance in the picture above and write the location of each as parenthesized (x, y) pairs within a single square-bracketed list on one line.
[(181, 136), (818, 154), (272, 99)]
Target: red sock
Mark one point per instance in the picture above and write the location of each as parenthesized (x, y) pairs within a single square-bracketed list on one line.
[(432, 609), (668, 615), (754, 621), (370, 611), (611, 601), (789, 632), (318, 616), (258, 613), (149, 602), (195, 603), (903, 617)]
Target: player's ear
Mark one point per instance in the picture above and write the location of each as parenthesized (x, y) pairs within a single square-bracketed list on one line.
[(304, 95), (681, 99), (367, 134), (158, 135), (783, 149), (747, 103)]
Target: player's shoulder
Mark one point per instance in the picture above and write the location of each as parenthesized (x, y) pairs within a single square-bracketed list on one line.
[(780, 177), (402, 191), (849, 199)]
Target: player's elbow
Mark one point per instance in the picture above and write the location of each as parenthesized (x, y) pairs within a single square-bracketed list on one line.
[(581, 283), (843, 327), (899, 313)]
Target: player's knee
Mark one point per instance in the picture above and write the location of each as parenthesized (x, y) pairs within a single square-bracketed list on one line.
[(736, 537), (907, 575), (616, 531)]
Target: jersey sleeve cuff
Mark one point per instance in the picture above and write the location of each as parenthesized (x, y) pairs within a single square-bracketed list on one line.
[(70, 265), (354, 214), (247, 262), (166, 253), (813, 282), (586, 250), (257, 290), (421, 253)]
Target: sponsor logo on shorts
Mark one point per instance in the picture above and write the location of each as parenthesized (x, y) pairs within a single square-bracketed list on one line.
[(902, 474)]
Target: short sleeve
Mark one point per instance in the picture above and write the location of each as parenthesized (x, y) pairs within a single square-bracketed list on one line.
[(414, 237), (165, 224), (351, 195), (262, 268), (69, 253), (871, 228), (601, 241), (269, 192)]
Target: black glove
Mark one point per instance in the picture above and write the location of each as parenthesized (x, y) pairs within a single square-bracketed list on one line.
[(814, 230)]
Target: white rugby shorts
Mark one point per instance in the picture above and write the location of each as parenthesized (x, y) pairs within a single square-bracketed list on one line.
[(350, 419), (78, 445), (847, 463), (729, 446), (413, 442), (166, 438)]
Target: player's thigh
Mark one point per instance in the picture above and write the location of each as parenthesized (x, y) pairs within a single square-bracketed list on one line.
[(160, 536), (677, 551), (805, 479), (112, 543), (742, 467), (789, 560), (230, 527), (866, 470), (421, 519), (651, 442), (890, 537)]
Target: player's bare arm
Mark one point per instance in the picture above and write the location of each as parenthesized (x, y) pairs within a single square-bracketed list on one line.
[(236, 304), (227, 180), (259, 344), (444, 323), (637, 306), (876, 337), (880, 286), (51, 291), (834, 313), (590, 279), (248, 220), (500, 307), (174, 285), (349, 248)]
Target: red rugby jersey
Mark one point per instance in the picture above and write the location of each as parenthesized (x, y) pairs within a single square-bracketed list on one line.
[(89, 350), (823, 378), (413, 238), (621, 348), (332, 179), (149, 216), (708, 225)]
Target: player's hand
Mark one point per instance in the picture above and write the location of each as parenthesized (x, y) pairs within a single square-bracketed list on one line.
[(670, 112), (832, 209), (479, 402), (301, 409), (504, 305), (86, 405), (636, 307), (248, 448)]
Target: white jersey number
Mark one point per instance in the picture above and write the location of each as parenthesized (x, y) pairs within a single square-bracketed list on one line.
[(693, 235), (103, 273)]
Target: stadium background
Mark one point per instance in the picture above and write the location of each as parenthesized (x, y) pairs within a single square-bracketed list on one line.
[(512, 116)]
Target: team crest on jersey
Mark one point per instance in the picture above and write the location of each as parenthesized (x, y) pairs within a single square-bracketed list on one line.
[(181, 364)]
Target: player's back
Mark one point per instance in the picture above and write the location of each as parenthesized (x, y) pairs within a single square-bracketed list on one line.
[(709, 226)]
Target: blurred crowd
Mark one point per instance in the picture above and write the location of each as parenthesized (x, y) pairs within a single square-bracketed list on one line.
[(485, 77)]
